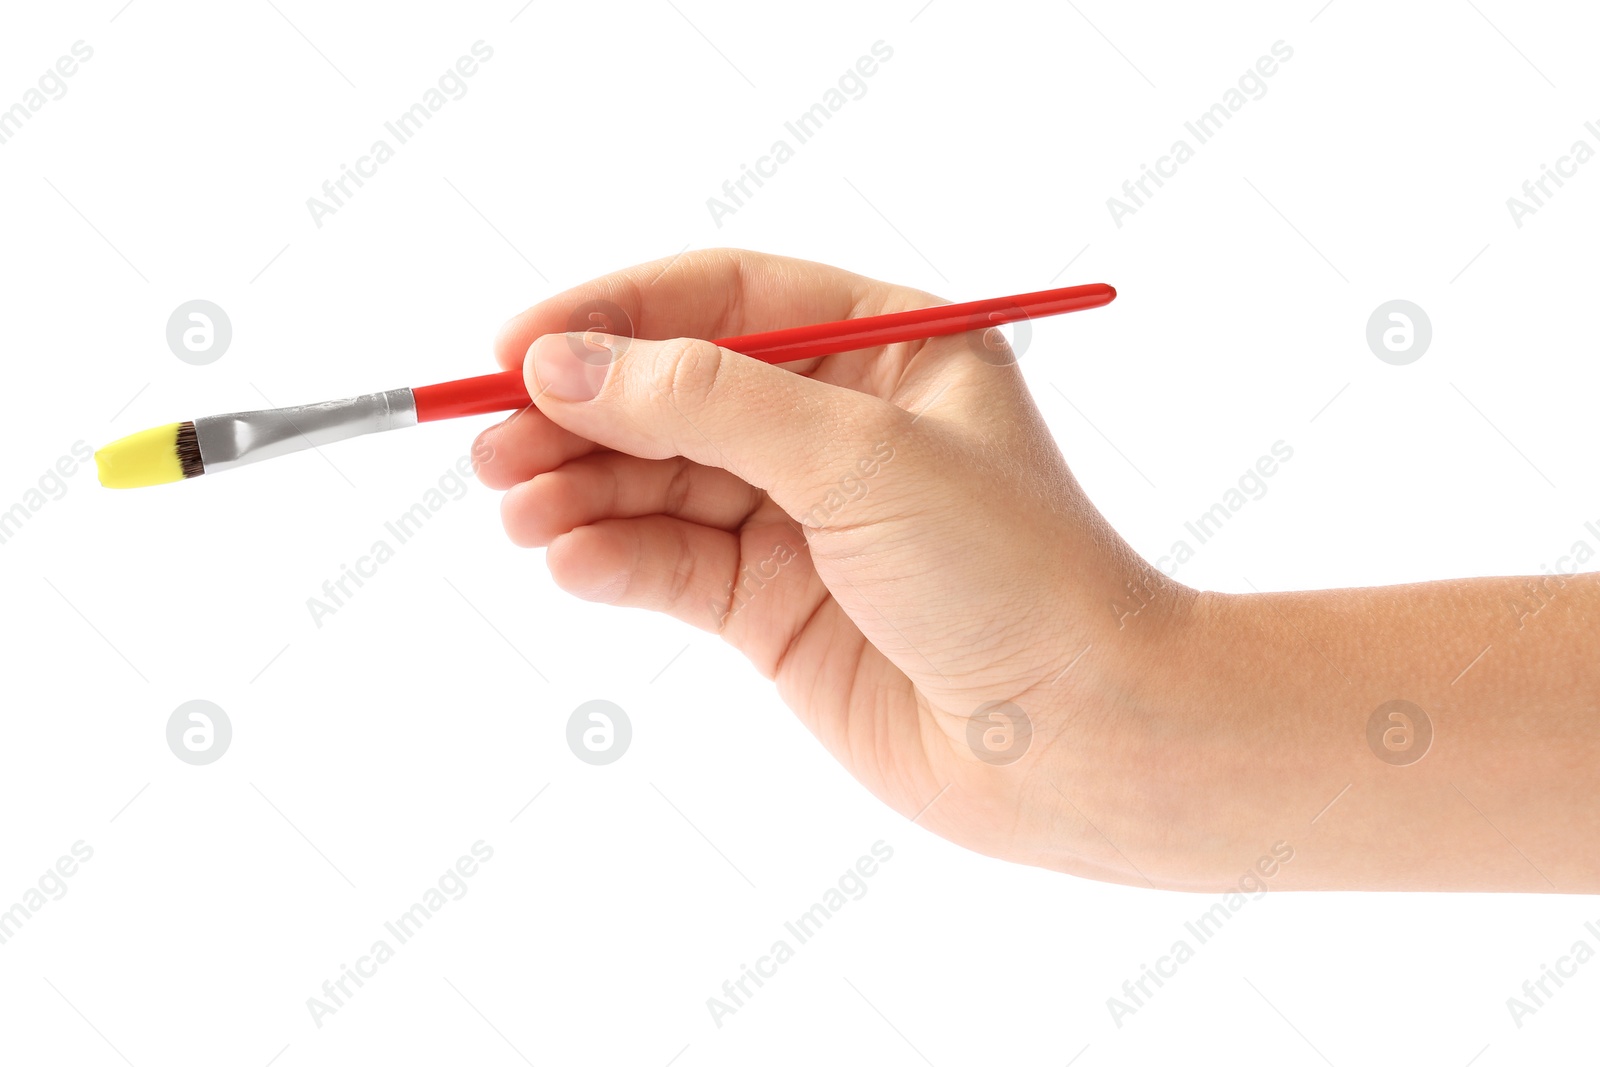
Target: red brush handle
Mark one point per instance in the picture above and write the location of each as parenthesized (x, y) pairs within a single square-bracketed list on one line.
[(505, 391)]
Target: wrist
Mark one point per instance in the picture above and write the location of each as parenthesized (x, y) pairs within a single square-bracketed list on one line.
[(1183, 772), (1239, 752), (1130, 785)]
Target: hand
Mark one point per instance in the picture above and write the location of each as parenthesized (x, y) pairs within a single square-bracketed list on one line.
[(890, 534), (893, 537)]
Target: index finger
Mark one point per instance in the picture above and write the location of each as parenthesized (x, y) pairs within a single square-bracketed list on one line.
[(708, 294)]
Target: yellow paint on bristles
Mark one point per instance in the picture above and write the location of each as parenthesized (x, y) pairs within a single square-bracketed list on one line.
[(149, 457)]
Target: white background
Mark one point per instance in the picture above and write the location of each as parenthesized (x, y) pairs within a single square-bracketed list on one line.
[(368, 754)]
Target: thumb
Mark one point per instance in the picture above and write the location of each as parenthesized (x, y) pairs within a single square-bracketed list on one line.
[(782, 432)]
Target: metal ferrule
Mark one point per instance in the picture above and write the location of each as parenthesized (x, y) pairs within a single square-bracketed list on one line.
[(228, 441)]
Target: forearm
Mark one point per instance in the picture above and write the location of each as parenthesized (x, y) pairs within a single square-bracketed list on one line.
[(1272, 736)]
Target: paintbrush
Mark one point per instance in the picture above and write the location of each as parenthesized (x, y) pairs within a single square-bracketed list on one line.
[(181, 450)]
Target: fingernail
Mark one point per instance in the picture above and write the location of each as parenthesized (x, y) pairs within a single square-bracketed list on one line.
[(561, 369)]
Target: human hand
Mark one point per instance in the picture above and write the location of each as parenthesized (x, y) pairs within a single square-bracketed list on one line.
[(889, 534)]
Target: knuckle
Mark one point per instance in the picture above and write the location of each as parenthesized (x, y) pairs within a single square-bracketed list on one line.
[(892, 419), (679, 486), (689, 369), (513, 519), (683, 570), (883, 422)]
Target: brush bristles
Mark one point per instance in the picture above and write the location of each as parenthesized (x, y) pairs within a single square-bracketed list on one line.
[(189, 451)]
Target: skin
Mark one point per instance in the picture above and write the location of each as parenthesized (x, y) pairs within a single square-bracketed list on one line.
[(893, 538)]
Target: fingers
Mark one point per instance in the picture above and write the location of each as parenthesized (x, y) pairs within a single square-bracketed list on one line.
[(613, 485), (714, 293), (523, 446), (658, 562), (734, 584), (785, 433)]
